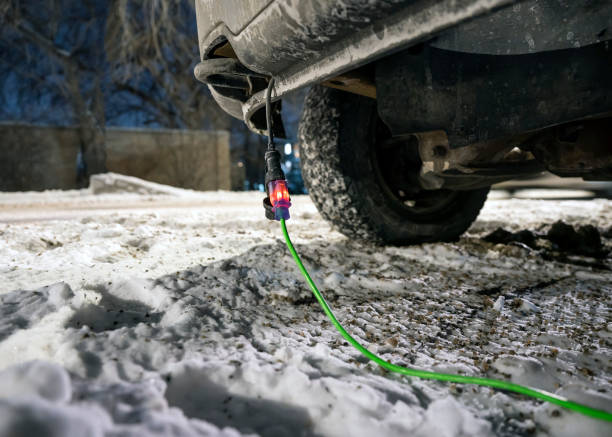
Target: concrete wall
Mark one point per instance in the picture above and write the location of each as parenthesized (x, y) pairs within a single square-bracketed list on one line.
[(44, 157), (37, 158), (182, 158)]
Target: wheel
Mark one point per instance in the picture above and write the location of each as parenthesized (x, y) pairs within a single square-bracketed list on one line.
[(368, 187)]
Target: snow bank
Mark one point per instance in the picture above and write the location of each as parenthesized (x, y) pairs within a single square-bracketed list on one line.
[(118, 183)]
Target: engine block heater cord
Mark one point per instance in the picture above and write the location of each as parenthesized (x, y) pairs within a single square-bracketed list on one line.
[(424, 374), (269, 114)]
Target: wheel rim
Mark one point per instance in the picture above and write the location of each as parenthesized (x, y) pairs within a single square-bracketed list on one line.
[(404, 192)]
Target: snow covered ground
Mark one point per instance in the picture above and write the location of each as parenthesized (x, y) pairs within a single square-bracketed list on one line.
[(182, 314)]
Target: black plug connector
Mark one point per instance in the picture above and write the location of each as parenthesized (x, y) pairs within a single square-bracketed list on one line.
[(276, 186), (273, 172)]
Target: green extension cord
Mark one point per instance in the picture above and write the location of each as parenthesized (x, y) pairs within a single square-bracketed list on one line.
[(503, 385)]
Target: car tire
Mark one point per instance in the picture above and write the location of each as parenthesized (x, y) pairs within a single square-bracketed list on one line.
[(340, 167)]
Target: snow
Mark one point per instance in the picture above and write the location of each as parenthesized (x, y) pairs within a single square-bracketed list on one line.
[(178, 313), (499, 304)]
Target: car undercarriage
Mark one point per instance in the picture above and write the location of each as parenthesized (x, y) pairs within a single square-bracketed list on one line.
[(453, 96)]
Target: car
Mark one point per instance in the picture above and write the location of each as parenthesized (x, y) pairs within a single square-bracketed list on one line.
[(416, 108)]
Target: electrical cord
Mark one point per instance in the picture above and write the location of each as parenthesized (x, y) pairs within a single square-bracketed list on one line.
[(269, 114), (277, 202), (424, 374)]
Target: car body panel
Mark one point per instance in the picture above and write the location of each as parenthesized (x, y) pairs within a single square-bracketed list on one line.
[(303, 42), (532, 26)]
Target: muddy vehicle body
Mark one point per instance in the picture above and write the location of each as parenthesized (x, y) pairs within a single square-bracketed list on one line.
[(418, 107)]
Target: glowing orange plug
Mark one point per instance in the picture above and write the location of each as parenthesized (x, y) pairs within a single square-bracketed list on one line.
[(279, 198)]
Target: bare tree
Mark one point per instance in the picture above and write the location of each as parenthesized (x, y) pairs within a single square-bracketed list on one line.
[(119, 62), (70, 58), (152, 48)]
